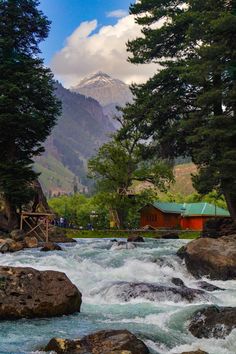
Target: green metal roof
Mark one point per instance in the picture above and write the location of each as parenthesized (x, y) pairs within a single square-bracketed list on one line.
[(189, 209), (169, 207)]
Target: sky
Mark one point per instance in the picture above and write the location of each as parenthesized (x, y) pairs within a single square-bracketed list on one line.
[(88, 36)]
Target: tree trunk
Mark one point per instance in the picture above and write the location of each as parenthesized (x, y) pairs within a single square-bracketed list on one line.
[(231, 202), (12, 218), (121, 217)]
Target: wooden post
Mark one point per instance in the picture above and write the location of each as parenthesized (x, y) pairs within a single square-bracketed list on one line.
[(21, 222), (47, 229)]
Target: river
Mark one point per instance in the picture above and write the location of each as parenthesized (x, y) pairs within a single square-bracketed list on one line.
[(94, 265)]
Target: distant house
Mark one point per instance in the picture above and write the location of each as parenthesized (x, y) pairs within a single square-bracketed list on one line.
[(190, 216)]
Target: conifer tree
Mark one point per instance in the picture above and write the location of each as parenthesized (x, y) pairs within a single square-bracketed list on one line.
[(28, 107), (189, 107)]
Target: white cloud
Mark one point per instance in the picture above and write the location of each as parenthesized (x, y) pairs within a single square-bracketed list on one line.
[(117, 13), (87, 51)]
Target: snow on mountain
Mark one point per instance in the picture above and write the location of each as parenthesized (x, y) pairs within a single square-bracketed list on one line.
[(109, 92)]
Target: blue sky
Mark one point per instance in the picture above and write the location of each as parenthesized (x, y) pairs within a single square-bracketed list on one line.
[(66, 16), (91, 35)]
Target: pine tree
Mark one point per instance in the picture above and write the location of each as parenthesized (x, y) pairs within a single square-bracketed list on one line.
[(189, 107), (28, 107)]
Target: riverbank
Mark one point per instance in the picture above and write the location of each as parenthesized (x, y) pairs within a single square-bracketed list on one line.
[(184, 235)]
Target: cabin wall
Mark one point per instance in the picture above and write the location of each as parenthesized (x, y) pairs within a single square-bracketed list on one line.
[(158, 219), (193, 223)]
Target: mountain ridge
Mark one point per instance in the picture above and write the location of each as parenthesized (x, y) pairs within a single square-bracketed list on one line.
[(81, 130)]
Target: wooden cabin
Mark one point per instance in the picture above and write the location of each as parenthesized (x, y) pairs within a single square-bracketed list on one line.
[(186, 216)]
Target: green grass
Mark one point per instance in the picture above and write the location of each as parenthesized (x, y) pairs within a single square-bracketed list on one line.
[(121, 234), (54, 175)]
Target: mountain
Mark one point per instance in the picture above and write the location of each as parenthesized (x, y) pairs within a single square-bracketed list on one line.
[(81, 130), (109, 92)]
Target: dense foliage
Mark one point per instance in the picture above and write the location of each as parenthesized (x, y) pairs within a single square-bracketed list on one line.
[(188, 107), (80, 211), (28, 108), (117, 166)]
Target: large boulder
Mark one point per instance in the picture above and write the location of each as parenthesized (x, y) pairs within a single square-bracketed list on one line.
[(31, 242), (103, 342), (9, 245), (50, 246), (26, 292), (213, 321), (215, 258), (126, 291)]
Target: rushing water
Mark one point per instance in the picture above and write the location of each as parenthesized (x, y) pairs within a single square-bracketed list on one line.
[(97, 264)]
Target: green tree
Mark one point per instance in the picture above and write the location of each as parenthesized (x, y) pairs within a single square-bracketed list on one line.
[(189, 107), (78, 209), (118, 165), (28, 107)]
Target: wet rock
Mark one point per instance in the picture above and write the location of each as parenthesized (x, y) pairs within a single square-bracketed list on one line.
[(170, 236), (215, 258), (17, 235), (182, 252), (16, 246), (50, 246), (9, 245), (29, 293), (103, 342), (58, 235), (177, 282), (4, 246), (135, 239), (113, 240), (31, 242), (208, 287), (213, 321), (153, 292)]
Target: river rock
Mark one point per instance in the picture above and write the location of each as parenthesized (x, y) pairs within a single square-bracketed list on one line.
[(153, 292), (135, 239), (16, 246), (58, 235), (215, 258), (213, 321), (4, 246), (177, 282), (170, 236), (31, 242), (208, 287), (50, 246), (103, 342), (9, 245), (26, 292), (17, 235)]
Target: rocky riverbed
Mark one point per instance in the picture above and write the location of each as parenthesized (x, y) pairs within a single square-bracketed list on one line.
[(146, 290)]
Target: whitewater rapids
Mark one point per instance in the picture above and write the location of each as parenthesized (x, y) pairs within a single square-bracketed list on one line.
[(94, 265)]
